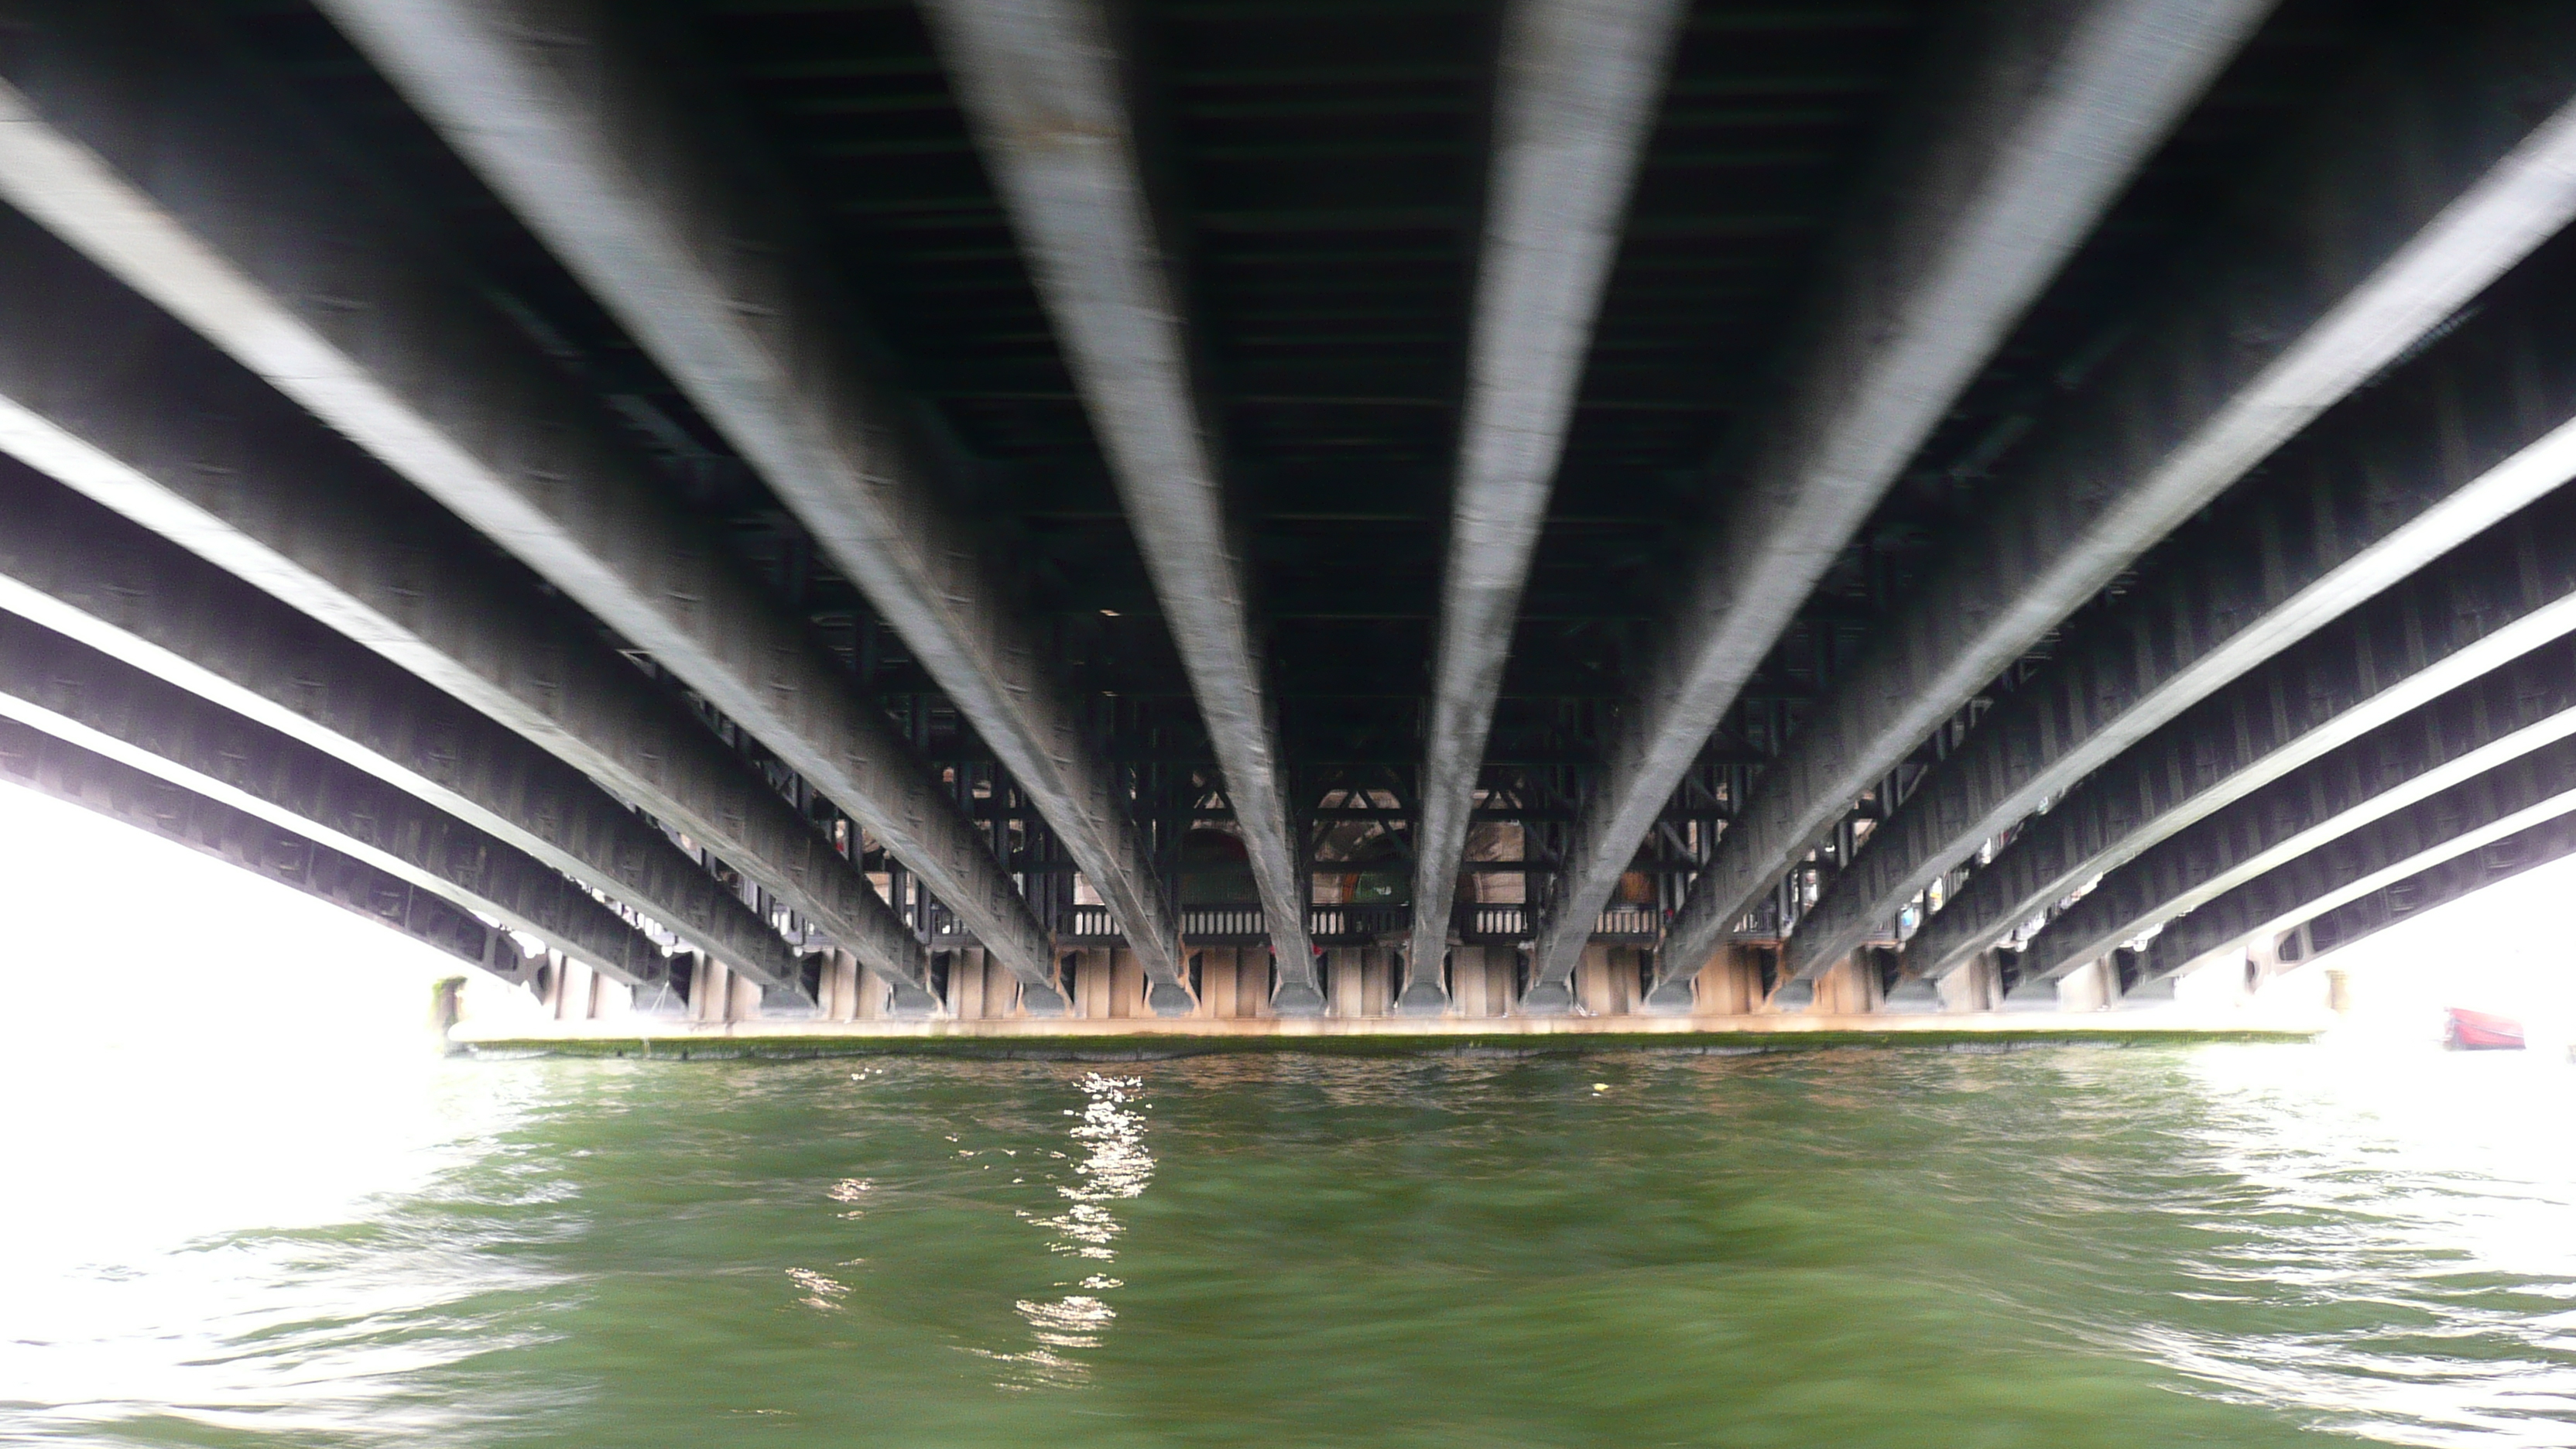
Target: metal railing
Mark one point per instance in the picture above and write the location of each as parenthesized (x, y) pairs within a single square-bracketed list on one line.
[(1222, 925), (1633, 922), (1348, 924)]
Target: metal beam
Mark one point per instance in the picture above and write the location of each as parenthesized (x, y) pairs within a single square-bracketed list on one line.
[(2029, 119), (1044, 89), (84, 573), (123, 404), (622, 176), (1576, 101), (2401, 901), (2457, 441), (2491, 601), (37, 761), (2417, 185), (2529, 792), (77, 694), (151, 158), (2528, 704)]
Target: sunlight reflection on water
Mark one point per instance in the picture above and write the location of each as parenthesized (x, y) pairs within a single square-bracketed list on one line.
[(1115, 1165), (2402, 1225)]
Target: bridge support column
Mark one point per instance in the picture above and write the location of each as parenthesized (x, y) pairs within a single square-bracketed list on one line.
[(1360, 983), (707, 984), (1730, 984), (1849, 987), (1296, 987), (550, 979), (1253, 976), (827, 988), (1605, 980), (858, 995), (1127, 984), (969, 997), (1978, 985), (569, 988), (1426, 987), (1217, 981), (2089, 987), (1480, 981)]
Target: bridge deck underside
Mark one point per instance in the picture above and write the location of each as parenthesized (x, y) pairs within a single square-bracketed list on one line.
[(1479, 508)]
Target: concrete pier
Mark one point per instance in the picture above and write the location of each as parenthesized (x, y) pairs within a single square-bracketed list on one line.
[(1233, 1009), (1154, 1035)]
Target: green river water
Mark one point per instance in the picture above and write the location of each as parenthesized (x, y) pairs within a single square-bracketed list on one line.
[(2221, 1244)]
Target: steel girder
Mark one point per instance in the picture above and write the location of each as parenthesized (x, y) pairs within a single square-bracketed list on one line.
[(38, 761), (84, 573), (2461, 438), (2029, 120), (1575, 103), (2438, 168), (2533, 791), (712, 276), (151, 157), (73, 692), (1044, 88), (2400, 901), (127, 407), (2527, 704), (2492, 600)]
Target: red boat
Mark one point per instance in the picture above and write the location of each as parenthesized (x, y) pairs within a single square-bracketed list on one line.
[(2477, 1031)]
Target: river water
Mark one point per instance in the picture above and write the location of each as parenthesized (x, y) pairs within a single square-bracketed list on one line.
[(2224, 1244)]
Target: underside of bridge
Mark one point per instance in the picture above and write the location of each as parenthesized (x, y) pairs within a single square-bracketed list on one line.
[(1281, 508)]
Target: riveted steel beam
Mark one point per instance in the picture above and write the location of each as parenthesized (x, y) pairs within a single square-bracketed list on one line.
[(2401, 901), (131, 410), (2441, 164), (2494, 599), (158, 161), (621, 174), (84, 573), (2522, 707), (2488, 811), (37, 761), (1045, 92), (2029, 119), (2461, 438), (1574, 106), (75, 693)]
